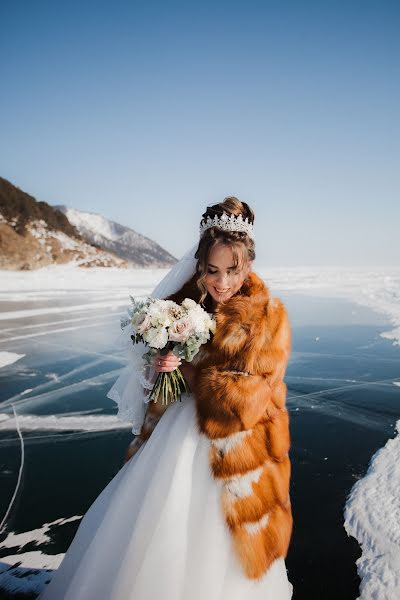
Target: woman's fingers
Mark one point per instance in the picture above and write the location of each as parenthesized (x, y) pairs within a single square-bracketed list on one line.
[(161, 368), (166, 362)]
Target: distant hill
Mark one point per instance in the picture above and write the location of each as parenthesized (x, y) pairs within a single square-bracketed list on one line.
[(126, 243), (20, 209), (34, 234)]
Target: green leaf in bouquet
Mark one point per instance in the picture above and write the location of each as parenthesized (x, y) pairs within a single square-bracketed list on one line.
[(149, 355), (124, 322), (179, 351)]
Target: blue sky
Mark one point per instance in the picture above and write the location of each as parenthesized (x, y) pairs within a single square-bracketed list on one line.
[(148, 112)]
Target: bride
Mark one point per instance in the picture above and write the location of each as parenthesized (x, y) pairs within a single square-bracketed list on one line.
[(201, 507)]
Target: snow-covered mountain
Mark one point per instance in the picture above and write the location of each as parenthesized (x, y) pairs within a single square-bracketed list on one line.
[(34, 234), (126, 243)]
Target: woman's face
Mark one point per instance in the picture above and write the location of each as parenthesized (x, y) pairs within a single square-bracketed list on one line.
[(223, 280)]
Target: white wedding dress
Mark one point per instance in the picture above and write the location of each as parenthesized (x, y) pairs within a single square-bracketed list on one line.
[(157, 530)]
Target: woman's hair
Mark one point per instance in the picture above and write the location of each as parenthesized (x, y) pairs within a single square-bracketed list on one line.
[(243, 248), (242, 245)]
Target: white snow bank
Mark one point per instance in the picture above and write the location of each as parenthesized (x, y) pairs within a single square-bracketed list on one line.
[(27, 572), (61, 423), (372, 516), (72, 278), (39, 536), (8, 358)]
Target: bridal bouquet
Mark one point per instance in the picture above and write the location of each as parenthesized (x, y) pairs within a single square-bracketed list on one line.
[(164, 325)]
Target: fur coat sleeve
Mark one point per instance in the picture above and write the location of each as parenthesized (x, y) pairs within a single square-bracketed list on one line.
[(240, 400)]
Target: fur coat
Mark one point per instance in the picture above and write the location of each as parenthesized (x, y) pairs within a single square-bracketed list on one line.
[(240, 406), (240, 398)]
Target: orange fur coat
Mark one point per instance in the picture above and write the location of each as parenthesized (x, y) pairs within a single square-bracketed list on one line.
[(247, 422), (240, 405)]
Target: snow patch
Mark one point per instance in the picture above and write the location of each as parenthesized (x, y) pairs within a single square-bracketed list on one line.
[(8, 358), (92, 222), (372, 516), (60, 423), (27, 572)]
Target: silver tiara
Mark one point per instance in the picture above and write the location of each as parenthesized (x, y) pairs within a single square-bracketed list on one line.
[(228, 223)]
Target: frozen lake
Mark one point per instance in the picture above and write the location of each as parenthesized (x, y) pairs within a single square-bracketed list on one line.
[(56, 348)]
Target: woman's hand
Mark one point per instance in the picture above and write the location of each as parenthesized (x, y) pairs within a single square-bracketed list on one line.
[(164, 363)]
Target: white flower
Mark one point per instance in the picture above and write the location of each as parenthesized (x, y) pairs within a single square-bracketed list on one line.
[(142, 323), (175, 311), (159, 313), (156, 337), (199, 318), (159, 321), (189, 303), (180, 330)]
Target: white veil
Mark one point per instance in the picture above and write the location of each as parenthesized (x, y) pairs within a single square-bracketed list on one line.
[(128, 390)]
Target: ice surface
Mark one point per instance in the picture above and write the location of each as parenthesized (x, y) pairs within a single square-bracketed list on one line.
[(377, 288), (372, 513)]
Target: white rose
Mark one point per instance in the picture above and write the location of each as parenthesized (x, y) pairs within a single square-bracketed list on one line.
[(142, 323), (180, 330), (189, 303)]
